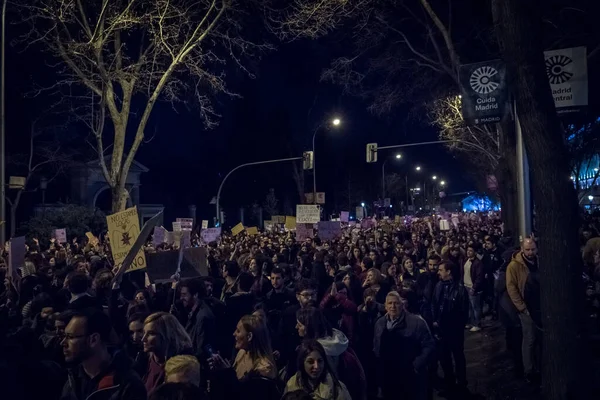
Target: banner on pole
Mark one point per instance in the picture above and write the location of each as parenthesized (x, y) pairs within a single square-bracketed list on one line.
[(307, 214), (484, 92), (568, 76)]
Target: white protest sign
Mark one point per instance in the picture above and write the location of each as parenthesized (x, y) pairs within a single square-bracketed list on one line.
[(204, 224), (187, 224), (210, 234), (329, 230), (444, 225), (307, 214), (360, 213), (177, 226), (60, 235)]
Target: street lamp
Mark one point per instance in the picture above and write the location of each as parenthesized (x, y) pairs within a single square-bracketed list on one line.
[(334, 122), (418, 168), (434, 177), (362, 205), (398, 157), (442, 183), (591, 198)]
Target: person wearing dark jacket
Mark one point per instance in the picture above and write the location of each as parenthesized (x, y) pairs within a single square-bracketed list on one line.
[(97, 374), (450, 310), (473, 279), (277, 299), (201, 324), (79, 285), (403, 346)]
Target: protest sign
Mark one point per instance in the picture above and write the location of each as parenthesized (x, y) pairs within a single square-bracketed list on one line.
[(204, 224), (124, 229), (367, 223), (60, 235), (93, 240), (133, 259), (269, 225), (345, 216), (444, 225), (177, 226), (329, 230), (187, 224), (210, 235), (253, 230), (290, 222), (360, 212), (16, 258), (320, 198), (236, 230), (397, 219), (303, 232), (169, 238), (158, 236), (307, 214)]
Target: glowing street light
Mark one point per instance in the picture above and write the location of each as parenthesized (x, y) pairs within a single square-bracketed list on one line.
[(442, 183), (591, 198), (336, 121), (418, 168), (362, 204), (434, 177), (398, 156)]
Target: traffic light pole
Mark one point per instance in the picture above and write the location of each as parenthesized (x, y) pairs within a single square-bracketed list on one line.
[(246, 165)]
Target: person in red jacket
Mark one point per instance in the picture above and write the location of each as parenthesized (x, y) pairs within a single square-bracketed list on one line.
[(473, 279)]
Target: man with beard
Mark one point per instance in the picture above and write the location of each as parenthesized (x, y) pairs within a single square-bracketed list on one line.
[(95, 369), (201, 324), (522, 264)]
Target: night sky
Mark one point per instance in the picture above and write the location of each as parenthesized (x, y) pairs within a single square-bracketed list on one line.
[(283, 105)]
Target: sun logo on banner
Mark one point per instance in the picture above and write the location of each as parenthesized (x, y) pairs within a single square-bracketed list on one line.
[(481, 80), (555, 69)]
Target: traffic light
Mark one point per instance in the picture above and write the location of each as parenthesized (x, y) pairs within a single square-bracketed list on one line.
[(307, 160), (371, 152)]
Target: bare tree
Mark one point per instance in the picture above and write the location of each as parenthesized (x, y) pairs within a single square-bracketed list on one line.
[(49, 157), (116, 56), (271, 203)]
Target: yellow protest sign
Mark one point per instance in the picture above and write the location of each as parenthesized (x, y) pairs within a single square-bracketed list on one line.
[(290, 222), (236, 230), (397, 219), (278, 219), (252, 230), (91, 238), (123, 230)]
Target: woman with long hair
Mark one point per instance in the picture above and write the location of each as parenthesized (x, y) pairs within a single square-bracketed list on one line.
[(315, 375), (164, 337), (312, 325)]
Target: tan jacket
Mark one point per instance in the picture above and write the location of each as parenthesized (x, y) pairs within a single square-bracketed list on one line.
[(516, 277), (322, 392)]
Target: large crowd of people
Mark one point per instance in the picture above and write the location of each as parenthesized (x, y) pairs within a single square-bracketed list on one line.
[(376, 313)]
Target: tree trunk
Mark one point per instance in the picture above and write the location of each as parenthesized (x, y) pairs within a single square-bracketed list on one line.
[(519, 29), (507, 178), (119, 198)]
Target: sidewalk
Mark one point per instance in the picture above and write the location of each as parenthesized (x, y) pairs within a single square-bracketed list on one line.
[(489, 367)]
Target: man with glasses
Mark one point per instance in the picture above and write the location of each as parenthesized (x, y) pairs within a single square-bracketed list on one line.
[(95, 369)]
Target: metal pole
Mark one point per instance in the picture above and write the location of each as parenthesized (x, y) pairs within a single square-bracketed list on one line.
[(383, 181), (241, 166), (314, 166), (2, 130), (523, 188)]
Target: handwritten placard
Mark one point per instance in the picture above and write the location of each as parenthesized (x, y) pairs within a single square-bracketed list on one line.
[(307, 214), (124, 228), (177, 226), (253, 230), (158, 237), (204, 224), (187, 224)]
